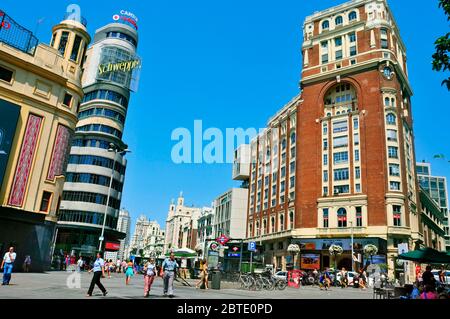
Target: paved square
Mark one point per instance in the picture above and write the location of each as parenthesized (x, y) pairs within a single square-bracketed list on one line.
[(55, 285)]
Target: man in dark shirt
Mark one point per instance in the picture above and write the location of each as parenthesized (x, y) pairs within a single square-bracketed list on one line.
[(428, 277)]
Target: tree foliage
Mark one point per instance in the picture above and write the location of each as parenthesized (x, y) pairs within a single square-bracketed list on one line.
[(441, 58)]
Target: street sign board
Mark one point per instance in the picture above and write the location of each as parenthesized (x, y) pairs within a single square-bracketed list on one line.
[(222, 239), (214, 246), (252, 246)]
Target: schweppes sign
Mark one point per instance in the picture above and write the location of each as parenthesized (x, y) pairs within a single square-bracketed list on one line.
[(124, 66)]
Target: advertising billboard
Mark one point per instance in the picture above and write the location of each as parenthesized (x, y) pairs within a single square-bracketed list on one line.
[(310, 261), (112, 246), (8, 122)]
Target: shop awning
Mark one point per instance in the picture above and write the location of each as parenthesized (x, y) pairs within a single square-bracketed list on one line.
[(184, 253), (426, 255)]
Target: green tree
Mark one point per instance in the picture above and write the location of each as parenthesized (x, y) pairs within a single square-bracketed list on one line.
[(441, 58)]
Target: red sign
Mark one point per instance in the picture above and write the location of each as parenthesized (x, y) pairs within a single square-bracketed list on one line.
[(112, 246), (222, 239), (294, 278), (235, 249)]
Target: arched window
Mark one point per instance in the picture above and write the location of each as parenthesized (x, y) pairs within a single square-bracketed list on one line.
[(281, 222), (352, 16), (339, 21), (292, 138), (390, 119), (258, 229), (291, 220), (250, 231), (387, 101), (325, 25), (264, 226), (283, 144), (392, 102), (328, 114), (342, 217)]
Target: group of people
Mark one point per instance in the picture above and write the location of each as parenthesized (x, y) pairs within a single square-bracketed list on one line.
[(426, 285), (150, 270), (326, 279)]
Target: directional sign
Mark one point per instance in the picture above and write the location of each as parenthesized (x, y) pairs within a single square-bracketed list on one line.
[(252, 246), (222, 239)]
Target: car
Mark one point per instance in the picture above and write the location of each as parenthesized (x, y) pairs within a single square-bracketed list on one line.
[(435, 273), (350, 276), (282, 275)]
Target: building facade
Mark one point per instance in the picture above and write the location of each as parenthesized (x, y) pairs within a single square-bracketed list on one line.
[(205, 230), (436, 188), (124, 226), (181, 226), (96, 172), (40, 90), (339, 158), (230, 210), (432, 219)]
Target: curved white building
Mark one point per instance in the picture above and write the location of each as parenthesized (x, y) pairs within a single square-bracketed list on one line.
[(110, 75)]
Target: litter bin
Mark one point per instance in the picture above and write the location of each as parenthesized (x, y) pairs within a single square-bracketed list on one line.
[(215, 280)]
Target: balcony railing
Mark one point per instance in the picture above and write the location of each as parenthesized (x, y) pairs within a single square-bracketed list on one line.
[(16, 36), (341, 230)]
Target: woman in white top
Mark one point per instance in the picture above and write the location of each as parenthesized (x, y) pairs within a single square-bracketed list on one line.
[(149, 276)]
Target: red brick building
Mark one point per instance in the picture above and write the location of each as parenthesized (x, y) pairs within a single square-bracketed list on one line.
[(339, 158)]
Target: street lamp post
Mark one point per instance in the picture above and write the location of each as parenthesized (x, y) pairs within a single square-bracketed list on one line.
[(112, 148), (351, 243)]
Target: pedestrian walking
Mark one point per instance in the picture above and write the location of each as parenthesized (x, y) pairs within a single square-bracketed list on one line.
[(27, 263), (325, 280), (203, 274), (149, 276), (7, 265), (442, 278), (80, 264), (344, 279), (129, 272), (428, 278), (99, 272), (118, 266), (169, 268)]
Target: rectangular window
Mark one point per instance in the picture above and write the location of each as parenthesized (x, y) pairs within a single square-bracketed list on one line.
[(355, 123), (292, 182), (6, 75), (384, 43), (282, 186), (356, 155), (45, 202), (340, 126), (353, 51), (394, 170), (395, 186), (358, 188), (342, 189), (325, 58), (340, 158), (356, 139), (392, 135), (352, 37), (67, 99), (325, 128), (393, 152), (325, 176), (358, 216), (338, 54), (341, 174), (76, 49), (357, 172), (341, 141), (325, 191), (325, 144), (63, 42), (292, 167), (338, 41), (397, 215), (325, 217), (325, 159), (283, 171)]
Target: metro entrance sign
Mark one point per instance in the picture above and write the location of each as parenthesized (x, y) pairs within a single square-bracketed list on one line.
[(222, 239)]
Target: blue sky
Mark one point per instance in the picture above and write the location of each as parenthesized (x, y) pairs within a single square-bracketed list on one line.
[(232, 64)]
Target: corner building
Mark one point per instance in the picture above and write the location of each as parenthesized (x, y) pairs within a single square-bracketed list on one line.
[(107, 83), (346, 144), (40, 90)]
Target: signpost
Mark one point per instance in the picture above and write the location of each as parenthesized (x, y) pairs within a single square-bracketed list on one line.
[(251, 248)]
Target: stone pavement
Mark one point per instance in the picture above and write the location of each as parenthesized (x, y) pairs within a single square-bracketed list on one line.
[(71, 285)]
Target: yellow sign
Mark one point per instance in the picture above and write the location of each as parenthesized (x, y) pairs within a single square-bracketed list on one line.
[(125, 66)]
